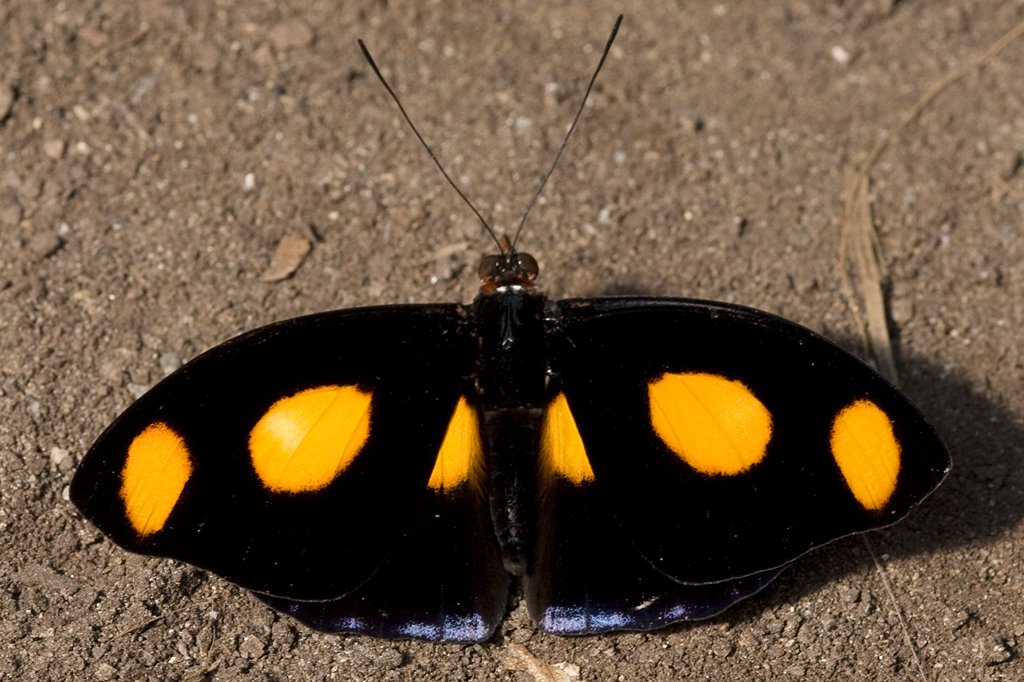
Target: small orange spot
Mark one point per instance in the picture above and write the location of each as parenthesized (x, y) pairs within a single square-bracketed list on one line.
[(561, 446), (304, 441), (867, 453), (154, 474), (714, 424), (461, 451)]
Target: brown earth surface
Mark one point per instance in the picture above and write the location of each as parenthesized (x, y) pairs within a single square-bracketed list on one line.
[(154, 155)]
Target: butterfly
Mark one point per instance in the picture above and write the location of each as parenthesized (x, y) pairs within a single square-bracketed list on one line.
[(391, 470)]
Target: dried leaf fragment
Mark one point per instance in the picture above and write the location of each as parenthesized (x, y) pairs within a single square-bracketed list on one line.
[(287, 258)]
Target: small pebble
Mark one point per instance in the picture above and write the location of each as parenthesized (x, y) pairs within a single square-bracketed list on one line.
[(849, 594), (999, 652), (283, 635), (568, 671), (840, 54), (93, 37), (169, 362), (263, 56), (58, 457), (879, 7), (7, 97), (104, 671), (54, 149), (795, 670), (10, 210), (205, 57), (251, 647), (902, 311), (722, 648), (30, 187), (956, 619), (291, 33), (43, 245), (391, 659), (136, 390)]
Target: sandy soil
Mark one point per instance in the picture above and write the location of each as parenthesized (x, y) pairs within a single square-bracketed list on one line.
[(153, 157)]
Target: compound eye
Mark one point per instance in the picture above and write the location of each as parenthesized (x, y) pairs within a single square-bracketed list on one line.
[(488, 267), (528, 266)]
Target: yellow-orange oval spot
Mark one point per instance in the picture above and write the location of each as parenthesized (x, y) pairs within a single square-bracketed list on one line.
[(867, 453), (714, 424), (460, 455), (561, 447), (304, 441), (154, 474)]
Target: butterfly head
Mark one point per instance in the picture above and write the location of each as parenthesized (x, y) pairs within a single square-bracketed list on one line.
[(508, 269)]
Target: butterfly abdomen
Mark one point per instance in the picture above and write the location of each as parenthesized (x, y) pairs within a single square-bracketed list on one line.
[(511, 390)]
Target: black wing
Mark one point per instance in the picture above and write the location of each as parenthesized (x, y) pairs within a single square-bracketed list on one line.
[(302, 461), (720, 443)]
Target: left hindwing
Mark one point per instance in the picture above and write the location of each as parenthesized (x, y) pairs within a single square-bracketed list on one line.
[(725, 442)]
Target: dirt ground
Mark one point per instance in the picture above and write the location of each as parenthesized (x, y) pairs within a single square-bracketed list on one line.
[(153, 157)]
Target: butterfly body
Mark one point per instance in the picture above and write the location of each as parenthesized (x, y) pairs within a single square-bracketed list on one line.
[(511, 390)]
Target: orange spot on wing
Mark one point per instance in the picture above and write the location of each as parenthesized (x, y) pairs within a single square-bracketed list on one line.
[(460, 455), (714, 424), (867, 453), (304, 441), (561, 447), (154, 475)]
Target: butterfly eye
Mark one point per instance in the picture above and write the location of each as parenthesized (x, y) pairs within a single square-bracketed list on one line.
[(528, 266), (488, 268)]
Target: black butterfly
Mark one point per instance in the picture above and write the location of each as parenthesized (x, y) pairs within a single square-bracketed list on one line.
[(386, 470)]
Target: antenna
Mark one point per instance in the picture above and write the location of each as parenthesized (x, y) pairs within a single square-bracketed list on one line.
[(504, 246), (565, 141), (433, 157)]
